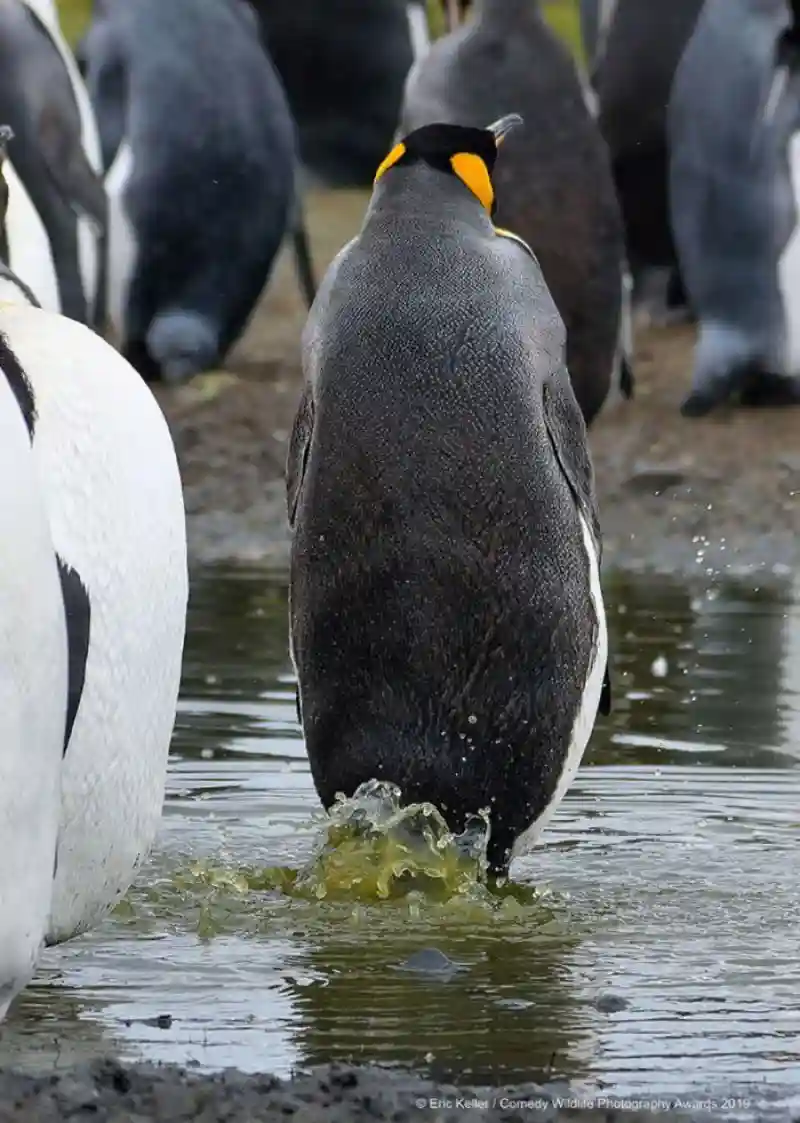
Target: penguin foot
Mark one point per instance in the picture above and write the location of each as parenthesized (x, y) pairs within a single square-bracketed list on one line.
[(769, 390), (700, 403)]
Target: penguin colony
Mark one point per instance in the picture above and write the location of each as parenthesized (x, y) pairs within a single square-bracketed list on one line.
[(447, 623)]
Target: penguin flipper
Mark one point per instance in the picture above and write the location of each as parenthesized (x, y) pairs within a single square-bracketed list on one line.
[(627, 382), (68, 167), (78, 612), (625, 363), (512, 237), (297, 458), (303, 259), (567, 431)]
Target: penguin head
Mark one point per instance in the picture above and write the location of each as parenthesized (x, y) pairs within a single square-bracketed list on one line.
[(466, 154), (182, 344)]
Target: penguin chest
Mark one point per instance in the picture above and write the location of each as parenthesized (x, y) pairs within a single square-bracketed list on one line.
[(122, 245), (590, 701), (789, 267), (33, 678), (29, 253)]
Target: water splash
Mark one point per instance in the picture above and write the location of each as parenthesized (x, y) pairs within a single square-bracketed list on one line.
[(370, 849), (376, 849)]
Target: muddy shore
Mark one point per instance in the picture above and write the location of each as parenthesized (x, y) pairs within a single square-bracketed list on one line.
[(108, 1091), (676, 494)]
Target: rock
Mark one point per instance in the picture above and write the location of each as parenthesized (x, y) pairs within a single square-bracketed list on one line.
[(431, 961), (655, 479), (611, 1003)]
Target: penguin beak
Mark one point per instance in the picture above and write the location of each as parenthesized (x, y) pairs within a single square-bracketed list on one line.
[(500, 129)]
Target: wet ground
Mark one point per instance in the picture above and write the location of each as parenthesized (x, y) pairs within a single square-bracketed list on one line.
[(675, 494), (651, 952)]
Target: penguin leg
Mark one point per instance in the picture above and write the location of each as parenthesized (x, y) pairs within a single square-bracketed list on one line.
[(765, 390), (605, 695)]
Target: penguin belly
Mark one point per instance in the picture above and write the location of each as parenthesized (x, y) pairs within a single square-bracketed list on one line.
[(108, 469), (33, 691), (587, 713), (789, 269), (122, 243), (29, 251)]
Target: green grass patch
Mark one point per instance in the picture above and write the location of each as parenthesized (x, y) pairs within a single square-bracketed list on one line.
[(561, 14), (75, 16)]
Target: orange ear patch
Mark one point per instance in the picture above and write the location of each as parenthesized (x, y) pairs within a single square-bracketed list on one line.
[(472, 171), (396, 154)]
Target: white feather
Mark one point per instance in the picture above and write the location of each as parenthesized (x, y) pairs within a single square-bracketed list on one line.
[(29, 253), (418, 29), (789, 269), (113, 493), (587, 712), (122, 245), (33, 694)]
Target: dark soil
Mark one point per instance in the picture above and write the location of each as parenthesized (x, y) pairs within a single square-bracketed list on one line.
[(111, 1092)]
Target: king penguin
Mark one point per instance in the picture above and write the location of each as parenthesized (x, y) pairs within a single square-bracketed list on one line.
[(33, 692), (734, 127), (112, 493), (57, 212), (446, 616), (200, 150), (633, 52), (555, 189)]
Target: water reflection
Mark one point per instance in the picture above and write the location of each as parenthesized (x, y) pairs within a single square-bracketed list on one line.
[(671, 871)]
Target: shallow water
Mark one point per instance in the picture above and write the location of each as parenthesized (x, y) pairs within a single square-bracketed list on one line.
[(660, 956)]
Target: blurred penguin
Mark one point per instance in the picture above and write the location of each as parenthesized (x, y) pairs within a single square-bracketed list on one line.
[(343, 63), (200, 150), (633, 49), (57, 211), (554, 185), (446, 617), (112, 492), (734, 128)]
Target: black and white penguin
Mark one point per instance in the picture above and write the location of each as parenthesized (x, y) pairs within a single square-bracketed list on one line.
[(633, 50), (33, 692), (114, 501), (734, 127), (355, 47), (554, 187), (446, 616), (57, 210), (200, 149)]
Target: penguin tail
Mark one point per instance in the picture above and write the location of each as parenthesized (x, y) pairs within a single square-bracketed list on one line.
[(303, 260)]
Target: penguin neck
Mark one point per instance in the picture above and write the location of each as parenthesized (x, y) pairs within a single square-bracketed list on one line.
[(506, 13), (420, 196)]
